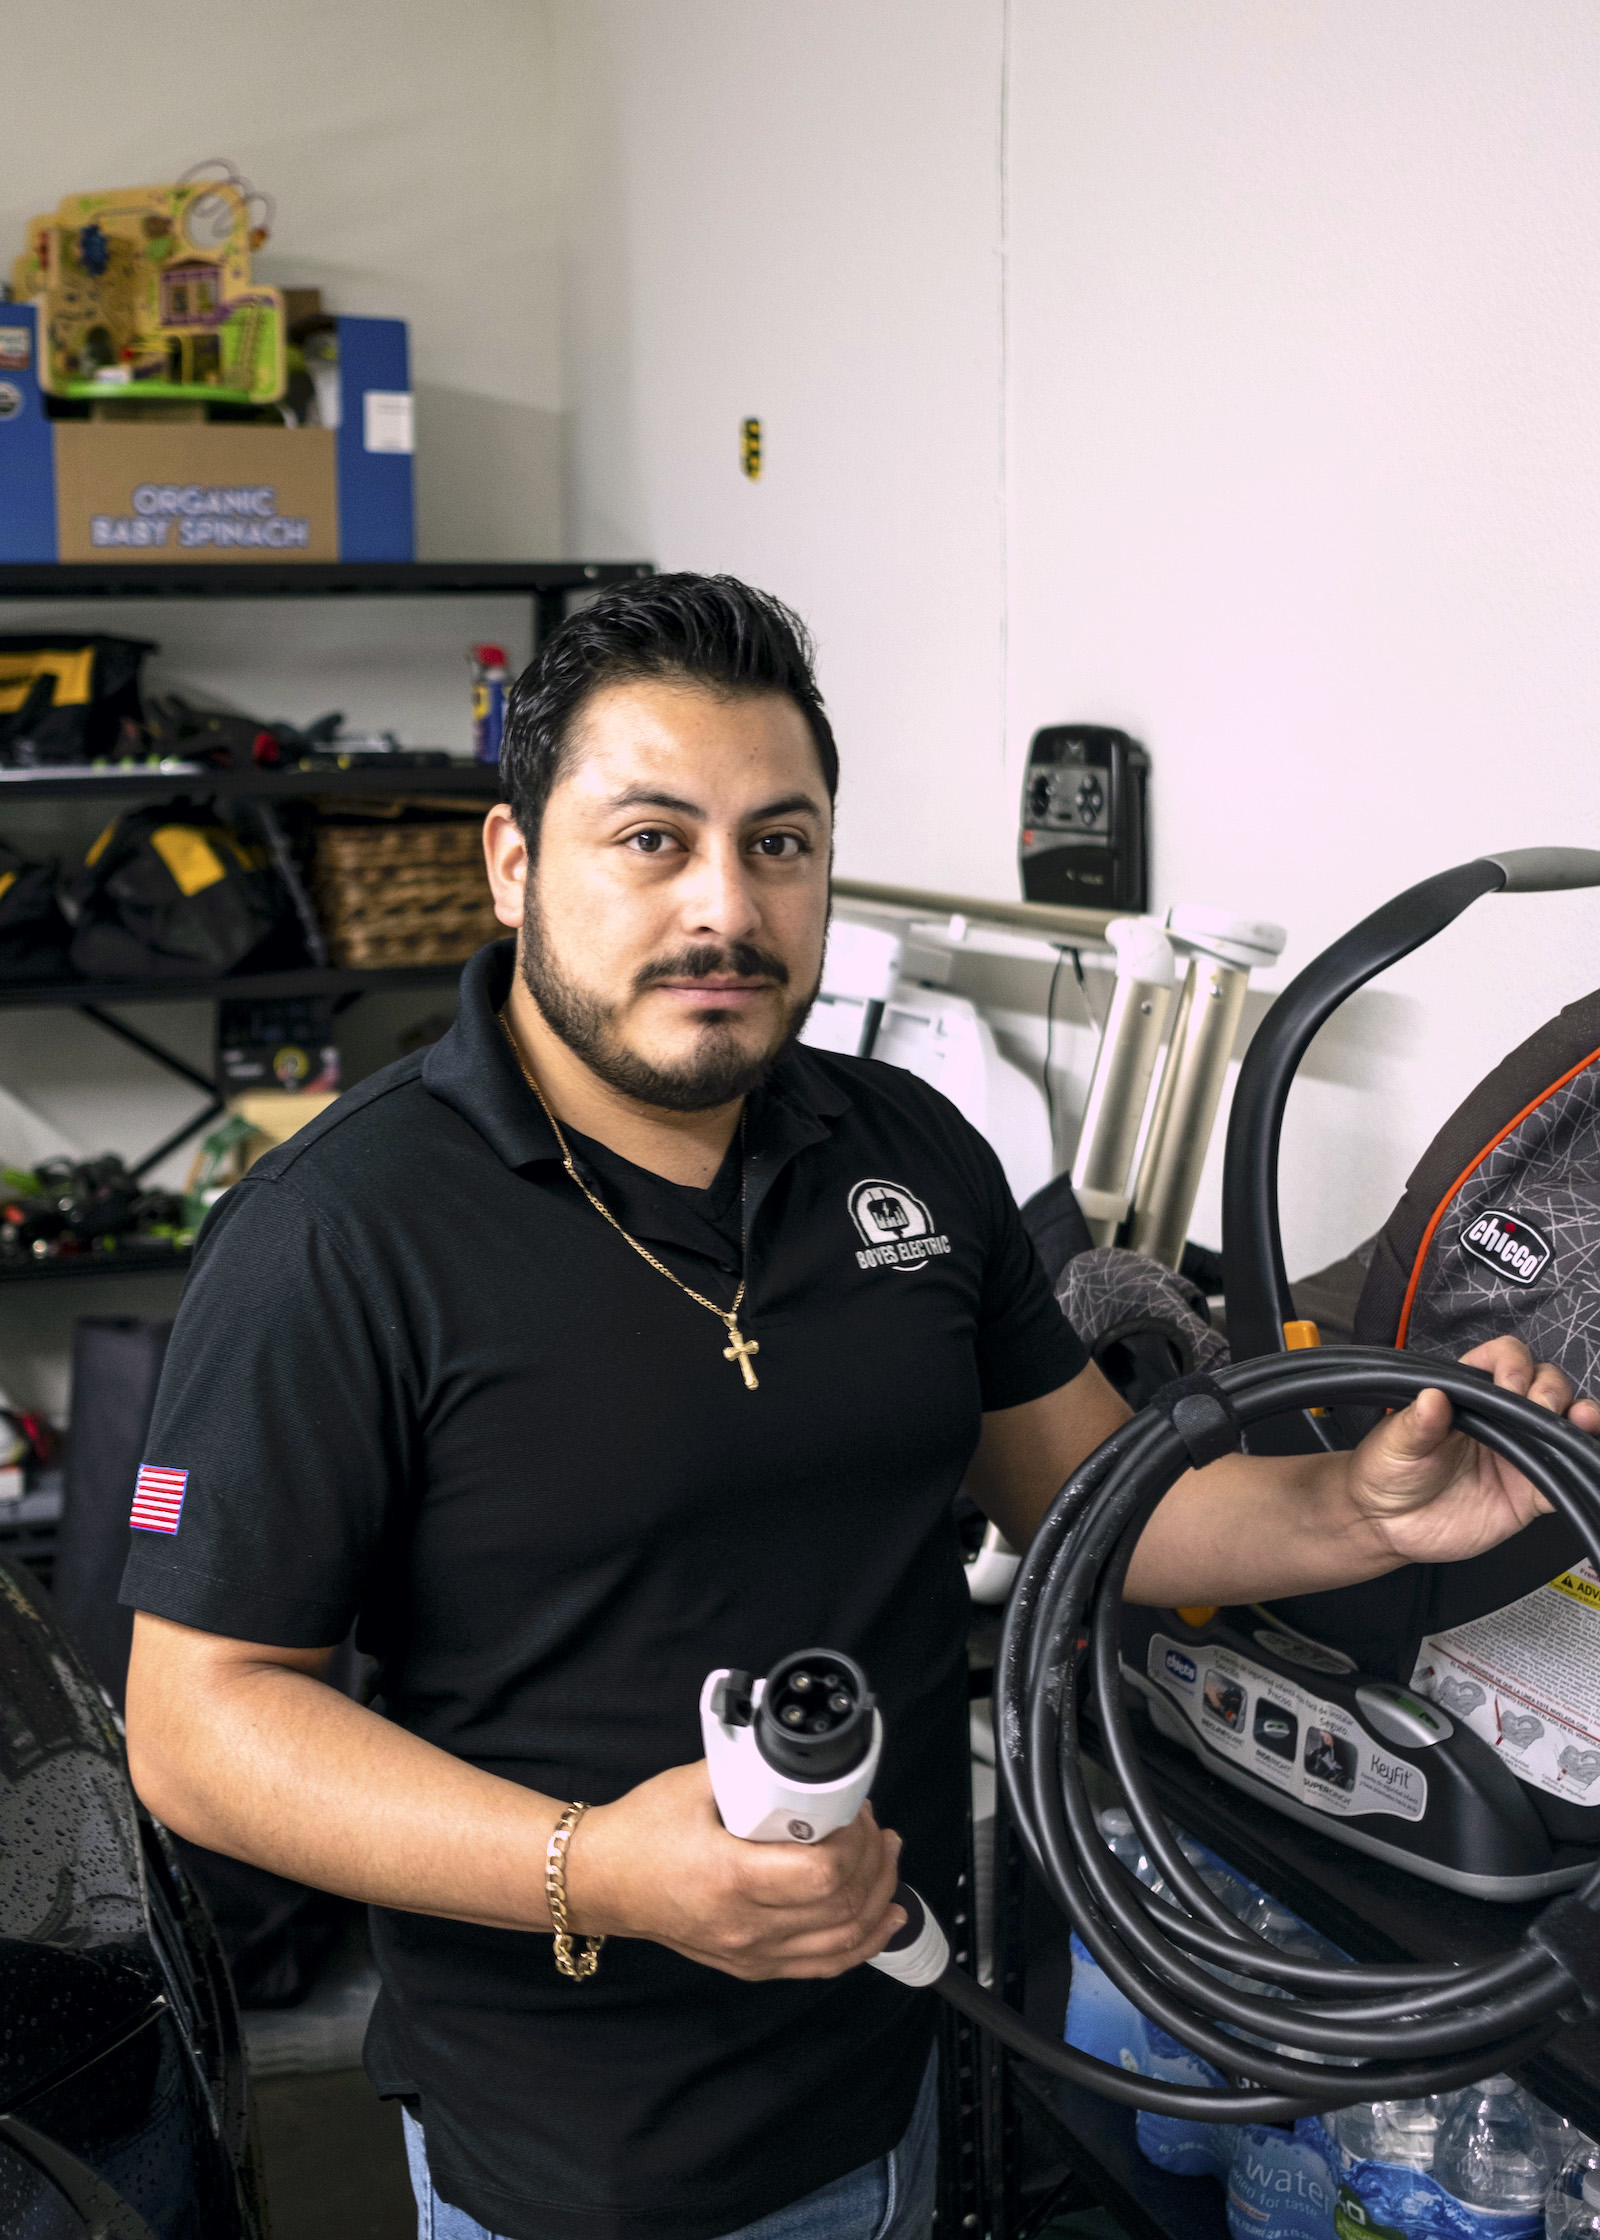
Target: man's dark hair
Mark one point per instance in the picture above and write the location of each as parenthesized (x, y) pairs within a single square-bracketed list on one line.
[(711, 631)]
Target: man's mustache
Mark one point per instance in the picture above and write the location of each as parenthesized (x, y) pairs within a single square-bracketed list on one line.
[(742, 960)]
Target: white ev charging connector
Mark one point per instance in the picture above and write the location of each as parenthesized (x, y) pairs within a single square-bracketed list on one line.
[(792, 1757)]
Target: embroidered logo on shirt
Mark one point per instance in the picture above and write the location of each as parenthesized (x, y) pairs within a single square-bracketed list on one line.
[(895, 1226), (158, 1498)]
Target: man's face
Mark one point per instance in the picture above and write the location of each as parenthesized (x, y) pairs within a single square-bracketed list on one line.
[(673, 925)]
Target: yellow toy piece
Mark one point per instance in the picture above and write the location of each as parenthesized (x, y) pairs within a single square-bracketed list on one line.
[(145, 294)]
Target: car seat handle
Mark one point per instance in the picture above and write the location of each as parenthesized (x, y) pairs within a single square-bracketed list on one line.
[(1255, 1282), (1546, 870)]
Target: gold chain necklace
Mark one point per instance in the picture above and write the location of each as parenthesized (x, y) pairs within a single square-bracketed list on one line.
[(739, 1347)]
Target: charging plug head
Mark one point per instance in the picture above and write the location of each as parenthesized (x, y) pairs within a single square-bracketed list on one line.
[(814, 1722)]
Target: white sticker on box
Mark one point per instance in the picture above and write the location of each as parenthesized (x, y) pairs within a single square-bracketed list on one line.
[(1272, 1728), (16, 349), (386, 420), (1527, 1678)]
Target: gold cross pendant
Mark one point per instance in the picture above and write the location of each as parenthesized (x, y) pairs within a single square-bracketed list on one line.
[(740, 1350)]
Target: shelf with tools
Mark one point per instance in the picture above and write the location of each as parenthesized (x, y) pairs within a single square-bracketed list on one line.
[(134, 1259), (296, 969), (373, 773), (309, 980)]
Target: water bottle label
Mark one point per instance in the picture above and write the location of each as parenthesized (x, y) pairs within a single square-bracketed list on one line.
[(1280, 2185), (1311, 1749), (1100, 2021), (1184, 2146), (1386, 2201)]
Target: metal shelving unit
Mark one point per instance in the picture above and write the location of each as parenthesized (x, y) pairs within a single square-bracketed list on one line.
[(307, 980), (127, 1260), (548, 584), (120, 782)]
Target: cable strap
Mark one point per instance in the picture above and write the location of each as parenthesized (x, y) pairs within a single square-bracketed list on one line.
[(1202, 1415)]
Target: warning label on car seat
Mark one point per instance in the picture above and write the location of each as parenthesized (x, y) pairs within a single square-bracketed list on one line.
[(1527, 1678), (1278, 1732)]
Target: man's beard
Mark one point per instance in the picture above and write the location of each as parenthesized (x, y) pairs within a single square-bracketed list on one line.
[(717, 1072)]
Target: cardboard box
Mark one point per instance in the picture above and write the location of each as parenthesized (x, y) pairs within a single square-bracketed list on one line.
[(131, 491), (276, 1116)]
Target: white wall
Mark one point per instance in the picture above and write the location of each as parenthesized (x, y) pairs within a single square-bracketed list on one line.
[(1305, 334), (1213, 367), (792, 213), (410, 151)]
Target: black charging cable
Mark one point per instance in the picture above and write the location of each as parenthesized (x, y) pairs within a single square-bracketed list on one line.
[(1296, 2035)]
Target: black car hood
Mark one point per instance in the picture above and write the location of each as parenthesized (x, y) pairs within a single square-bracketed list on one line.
[(77, 1967), (60, 2007)]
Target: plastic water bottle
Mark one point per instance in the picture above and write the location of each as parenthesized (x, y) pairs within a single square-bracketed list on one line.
[(1288, 1933), (1488, 2153), (1584, 2222), (1564, 2202), (1402, 2132), (1100, 2020), (1122, 1841)]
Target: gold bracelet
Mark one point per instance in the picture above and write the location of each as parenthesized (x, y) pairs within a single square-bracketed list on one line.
[(579, 1967)]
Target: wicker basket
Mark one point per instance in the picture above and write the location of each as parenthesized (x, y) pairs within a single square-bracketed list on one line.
[(399, 894)]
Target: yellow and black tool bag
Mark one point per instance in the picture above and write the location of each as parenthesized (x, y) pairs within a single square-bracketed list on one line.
[(172, 891), (67, 697), (33, 933)]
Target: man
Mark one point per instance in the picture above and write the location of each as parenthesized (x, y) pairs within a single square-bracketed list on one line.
[(559, 1357)]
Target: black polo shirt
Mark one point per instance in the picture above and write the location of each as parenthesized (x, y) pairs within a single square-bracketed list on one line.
[(417, 1381)]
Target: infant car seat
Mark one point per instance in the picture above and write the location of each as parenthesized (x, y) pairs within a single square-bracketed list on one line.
[(1499, 1230)]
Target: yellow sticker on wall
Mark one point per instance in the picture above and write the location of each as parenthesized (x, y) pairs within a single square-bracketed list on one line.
[(750, 448)]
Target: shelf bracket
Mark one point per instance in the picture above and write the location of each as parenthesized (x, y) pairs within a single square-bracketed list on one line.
[(214, 1103)]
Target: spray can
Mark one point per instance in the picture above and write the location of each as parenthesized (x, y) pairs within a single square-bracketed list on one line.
[(488, 700)]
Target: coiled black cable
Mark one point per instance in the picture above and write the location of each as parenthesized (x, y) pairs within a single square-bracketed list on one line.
[(1333, 2033)]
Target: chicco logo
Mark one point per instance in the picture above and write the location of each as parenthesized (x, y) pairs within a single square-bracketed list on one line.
[(1509, 1245), (895, 1226), (1181, 1667)]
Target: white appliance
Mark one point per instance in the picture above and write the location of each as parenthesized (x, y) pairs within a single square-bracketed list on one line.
[(866, 1009)]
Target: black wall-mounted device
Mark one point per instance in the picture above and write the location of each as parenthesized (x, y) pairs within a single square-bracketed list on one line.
[(1083, 835)]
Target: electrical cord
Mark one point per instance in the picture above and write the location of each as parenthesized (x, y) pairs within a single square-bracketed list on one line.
[(1297, 2035), (1063, 951)]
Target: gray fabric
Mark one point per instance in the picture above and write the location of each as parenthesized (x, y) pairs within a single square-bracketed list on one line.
[(1109, 1291), (1546, 1174)]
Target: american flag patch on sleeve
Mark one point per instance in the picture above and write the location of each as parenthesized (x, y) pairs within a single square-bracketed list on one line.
[(158, 1499)]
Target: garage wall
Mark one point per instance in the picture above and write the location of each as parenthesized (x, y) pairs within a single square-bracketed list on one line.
[(410, 152), (793, 213), (1216, 368)]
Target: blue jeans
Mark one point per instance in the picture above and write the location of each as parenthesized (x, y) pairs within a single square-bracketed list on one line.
[(890, 2199)]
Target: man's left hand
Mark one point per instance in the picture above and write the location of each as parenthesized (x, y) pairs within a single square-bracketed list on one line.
[(1431, 1494)]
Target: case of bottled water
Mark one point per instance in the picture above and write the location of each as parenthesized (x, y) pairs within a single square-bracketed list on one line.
[(1489, 2163)]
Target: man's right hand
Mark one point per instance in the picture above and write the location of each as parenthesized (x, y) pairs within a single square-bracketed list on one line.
[(659, 1864)]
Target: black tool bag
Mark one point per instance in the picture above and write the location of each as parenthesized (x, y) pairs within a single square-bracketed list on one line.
[(171, 892), (68, 696), (33, 933)]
